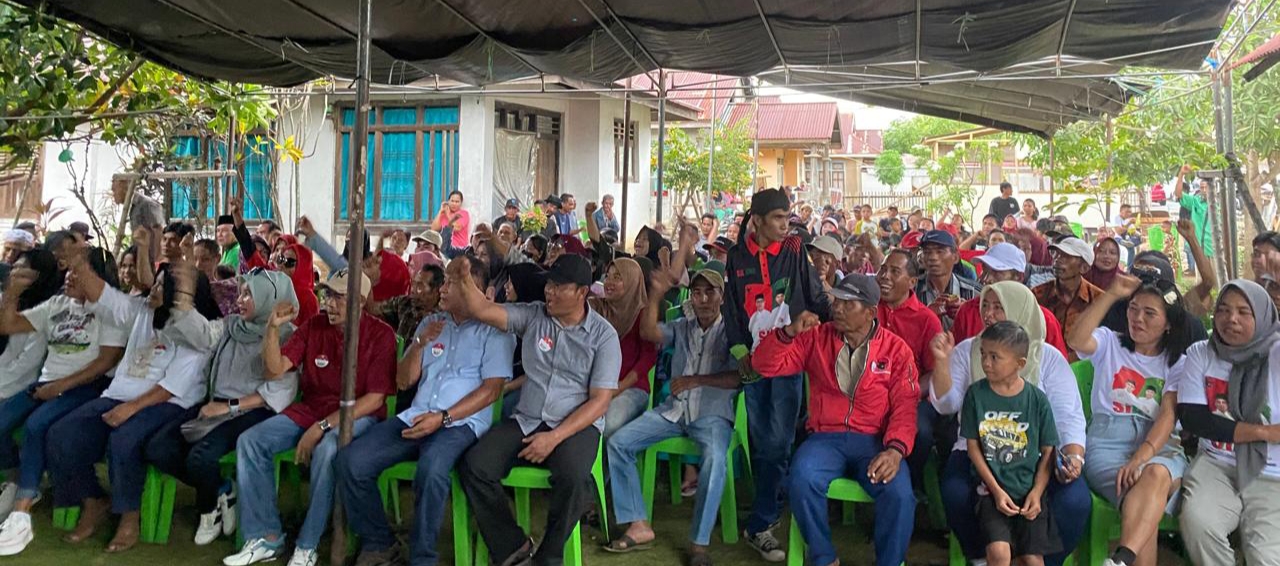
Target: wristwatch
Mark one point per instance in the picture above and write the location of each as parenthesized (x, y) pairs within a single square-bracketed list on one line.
[(234, 406), (325, 426), (445, 419)]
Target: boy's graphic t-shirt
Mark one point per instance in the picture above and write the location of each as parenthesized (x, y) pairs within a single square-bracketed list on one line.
[(1126, 383), (1010, 431), (1204, 381)]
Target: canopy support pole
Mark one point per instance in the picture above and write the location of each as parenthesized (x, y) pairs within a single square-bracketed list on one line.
[(1230, 183), (1062, 41), (662, 139), (1217, 189), (711, 157), (626, 158), (919, 26), (1052, 167), (355, 258), (774, 40)]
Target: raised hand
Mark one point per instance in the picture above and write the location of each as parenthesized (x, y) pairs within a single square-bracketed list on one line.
[(1124, 285), (942, 345), (590, 208), (803, 322), (142, 237), (430, 332), (1186, 229), (305, 227), (235, 207), (21, 279), (282, 313), (688, 235)]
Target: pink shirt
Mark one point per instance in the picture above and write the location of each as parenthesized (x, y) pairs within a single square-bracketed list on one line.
[(461, 227)]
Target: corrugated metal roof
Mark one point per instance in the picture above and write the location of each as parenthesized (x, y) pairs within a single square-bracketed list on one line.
[(701, 91), (802, 121), (865, 142)]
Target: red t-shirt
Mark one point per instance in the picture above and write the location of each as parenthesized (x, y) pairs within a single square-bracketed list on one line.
[(916, 325), (638, 355), (317, 347), (395, 278)]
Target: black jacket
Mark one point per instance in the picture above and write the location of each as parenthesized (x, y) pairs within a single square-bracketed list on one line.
[(788, 271)]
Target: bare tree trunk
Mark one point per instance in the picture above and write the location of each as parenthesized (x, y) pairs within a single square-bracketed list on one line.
[(26, 187)]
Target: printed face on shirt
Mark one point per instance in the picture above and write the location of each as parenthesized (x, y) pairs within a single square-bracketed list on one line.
[(1132, 393)]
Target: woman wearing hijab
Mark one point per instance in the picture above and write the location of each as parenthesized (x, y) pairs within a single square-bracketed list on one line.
[(1134, 461), (156, 382), (959, 365), (1228, 396), (295, 260), (624, 298), (648, 242), (239, 397), (1106, 263)]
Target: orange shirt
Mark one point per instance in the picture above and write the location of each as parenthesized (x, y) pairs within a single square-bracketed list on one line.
[(1067, 311)]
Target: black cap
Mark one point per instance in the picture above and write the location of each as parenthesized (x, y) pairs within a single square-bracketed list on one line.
[(722, 243), (938, 237), (80, 228), (226, 219), (513, 203), (570, 268), (554, 201), (858, 287)]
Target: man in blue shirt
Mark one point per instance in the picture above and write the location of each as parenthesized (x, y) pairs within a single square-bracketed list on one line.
[(605, 218), (459, 366), (566, 219)]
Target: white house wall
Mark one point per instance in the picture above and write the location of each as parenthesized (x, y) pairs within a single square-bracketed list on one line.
[(316, 172)]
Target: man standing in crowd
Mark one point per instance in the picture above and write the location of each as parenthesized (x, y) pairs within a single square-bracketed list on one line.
[(766, 266), (901, 313), (310, 425), (1004, 205), (863, 392), (942, 288), (1069, 294), (459, 366), (605, 218), (510, 215), (226, 237), (709, 227), (571, 359), (1195, 205), (566, 219)]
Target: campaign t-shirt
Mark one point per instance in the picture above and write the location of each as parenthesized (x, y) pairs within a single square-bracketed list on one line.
[(74, 332), (316, 351), (1011, 431), (1204, 380), (1126, 383), (151, 358)]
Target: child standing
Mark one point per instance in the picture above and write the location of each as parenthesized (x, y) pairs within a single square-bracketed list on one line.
[(1011, 437)]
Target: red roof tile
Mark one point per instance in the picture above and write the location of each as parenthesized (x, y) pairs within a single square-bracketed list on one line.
[(864, 142), (1271, 46), (809, 121), (695, 90)]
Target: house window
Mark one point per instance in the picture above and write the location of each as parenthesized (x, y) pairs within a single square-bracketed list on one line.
[(254, 163), (633, 167), (412, 153), (546, 125), (837, 175)]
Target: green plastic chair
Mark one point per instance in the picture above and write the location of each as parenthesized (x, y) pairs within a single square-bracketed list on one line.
[(684, 446), (1155, 238), (157, 494), (1103, 525), (525, 478), (842, 489), (1078, 229)]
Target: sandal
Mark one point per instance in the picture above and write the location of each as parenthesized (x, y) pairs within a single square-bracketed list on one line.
[(625, 544)]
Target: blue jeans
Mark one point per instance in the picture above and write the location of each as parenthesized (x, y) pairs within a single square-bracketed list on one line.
[(773, 409), (1191, 259), (623, 409), (78, 441), (360, 464), (1070, 504), (827, 456), (38, 416), (712, 435), (255, 476)]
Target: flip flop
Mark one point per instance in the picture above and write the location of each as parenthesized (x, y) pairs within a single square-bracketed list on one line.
[(625, 544)]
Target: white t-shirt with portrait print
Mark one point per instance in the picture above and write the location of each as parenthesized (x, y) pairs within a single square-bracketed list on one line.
[(74, 332), (1204, 380), (1126, 383)]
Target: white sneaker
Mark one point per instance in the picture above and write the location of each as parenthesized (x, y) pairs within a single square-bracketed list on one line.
[(15, 533), (254, 551), (303, 557), (227, 508), (8, 495), (1110, 562), (979, 562), (209, 529)]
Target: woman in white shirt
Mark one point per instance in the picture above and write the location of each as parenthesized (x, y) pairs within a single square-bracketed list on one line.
[(1228, 395), (1134, 459), (155, 383), (958, 365)]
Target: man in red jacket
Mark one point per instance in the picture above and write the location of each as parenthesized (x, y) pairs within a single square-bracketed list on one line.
[(863, 391)]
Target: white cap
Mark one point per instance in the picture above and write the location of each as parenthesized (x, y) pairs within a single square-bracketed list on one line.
[(829, 245), (1004, 257), (1075, 247)]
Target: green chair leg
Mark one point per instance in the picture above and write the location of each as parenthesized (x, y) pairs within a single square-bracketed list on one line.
[(65, 518), (150, 505), (649, 479), (597, 471), (524, 515), (573, 547), (954, 552), (461, 523), (164, 520), (674, 472), (846, 513), (795, 545), (933, 494), (729, 506)]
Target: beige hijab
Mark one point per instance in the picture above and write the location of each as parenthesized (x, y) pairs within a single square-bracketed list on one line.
[(622, 311), (1020, 306)]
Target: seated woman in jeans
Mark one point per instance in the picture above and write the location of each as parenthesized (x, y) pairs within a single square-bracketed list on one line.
[(239, 397), (1228, 396), (1134, 460), (158, 379), (82, 346), (624, 298)]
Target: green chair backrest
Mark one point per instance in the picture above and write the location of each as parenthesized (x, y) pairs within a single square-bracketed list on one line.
[(1078, 229), (1084, 379), (1155, 238)]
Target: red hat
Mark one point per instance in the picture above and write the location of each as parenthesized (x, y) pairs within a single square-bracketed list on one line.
[(911, 240)]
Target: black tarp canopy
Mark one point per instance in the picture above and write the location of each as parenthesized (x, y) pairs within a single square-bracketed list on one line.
[(943, 53)]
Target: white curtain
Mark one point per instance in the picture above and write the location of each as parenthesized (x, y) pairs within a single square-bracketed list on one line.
[(514, 162)]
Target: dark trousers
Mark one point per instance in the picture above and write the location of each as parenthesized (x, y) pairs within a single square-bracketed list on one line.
[(360, 463), (79, 440), (572, 487), (1069, 503), (197, 464), (773, 409), (37, 416)]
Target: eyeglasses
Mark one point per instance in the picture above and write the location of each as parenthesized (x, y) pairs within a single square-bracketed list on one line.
[(287, 262)]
